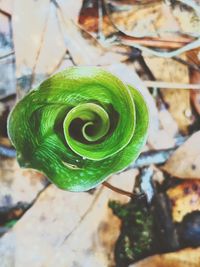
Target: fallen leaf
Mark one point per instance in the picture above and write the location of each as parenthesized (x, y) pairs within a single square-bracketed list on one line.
[(195, 95), (78, 40), (147, 20), (66, 229), (18, 185), (168, 70), (39, 47), (178, 104), (185, 161), (184, 258), (184, 198)]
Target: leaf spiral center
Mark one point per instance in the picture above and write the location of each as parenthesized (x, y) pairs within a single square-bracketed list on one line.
[(85, 123)]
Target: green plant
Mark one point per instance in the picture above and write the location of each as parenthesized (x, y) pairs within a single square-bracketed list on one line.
[(78, 127)]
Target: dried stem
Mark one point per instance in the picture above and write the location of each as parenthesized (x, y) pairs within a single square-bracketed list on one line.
[(118, 190), (155, 42)]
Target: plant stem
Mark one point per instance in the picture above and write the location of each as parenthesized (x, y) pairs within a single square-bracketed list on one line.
[(118, 190)]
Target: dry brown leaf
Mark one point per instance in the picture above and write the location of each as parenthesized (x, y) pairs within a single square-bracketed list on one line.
[(167, 69), (184, 198), (185, 161), (88, 17), (84, 49), (184, 258), (66, 229), (150, 20), (18, 185), (178, 103), (39, 47)]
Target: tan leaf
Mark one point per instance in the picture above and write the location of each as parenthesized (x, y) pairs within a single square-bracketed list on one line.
[(184, 198), (39, 46), (185, 161), (66, 229), (84, 49), (184, 258), (167, 69), (178, 102), (18, 185)]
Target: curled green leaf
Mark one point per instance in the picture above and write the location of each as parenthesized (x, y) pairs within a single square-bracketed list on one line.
[(78, 127)]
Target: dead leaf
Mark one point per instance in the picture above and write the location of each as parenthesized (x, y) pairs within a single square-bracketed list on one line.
[(66, 229), (88, 17), (39, 47), (148, 20), (185, 161), (18, 185), (184, 198), (78, 40), (178, 103), (167, 69), (184, 258)]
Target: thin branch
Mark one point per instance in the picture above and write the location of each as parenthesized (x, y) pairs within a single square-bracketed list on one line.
[(184, 62), (185, 48), (7, 55), (154, 42), (118, 190), (169, 85), (7, 14)]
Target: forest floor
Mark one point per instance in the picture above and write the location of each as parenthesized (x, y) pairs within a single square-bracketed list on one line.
[(155, 47)]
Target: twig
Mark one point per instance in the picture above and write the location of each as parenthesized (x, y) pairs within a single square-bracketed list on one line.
[(146, 68), (169, 85), (154, 42), (190, 65), (7, 152), (187, 47), (118, 190), (7, 14), (7, 55)]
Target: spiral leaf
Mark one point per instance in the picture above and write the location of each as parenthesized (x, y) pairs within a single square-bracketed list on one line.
[(78, 127)]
